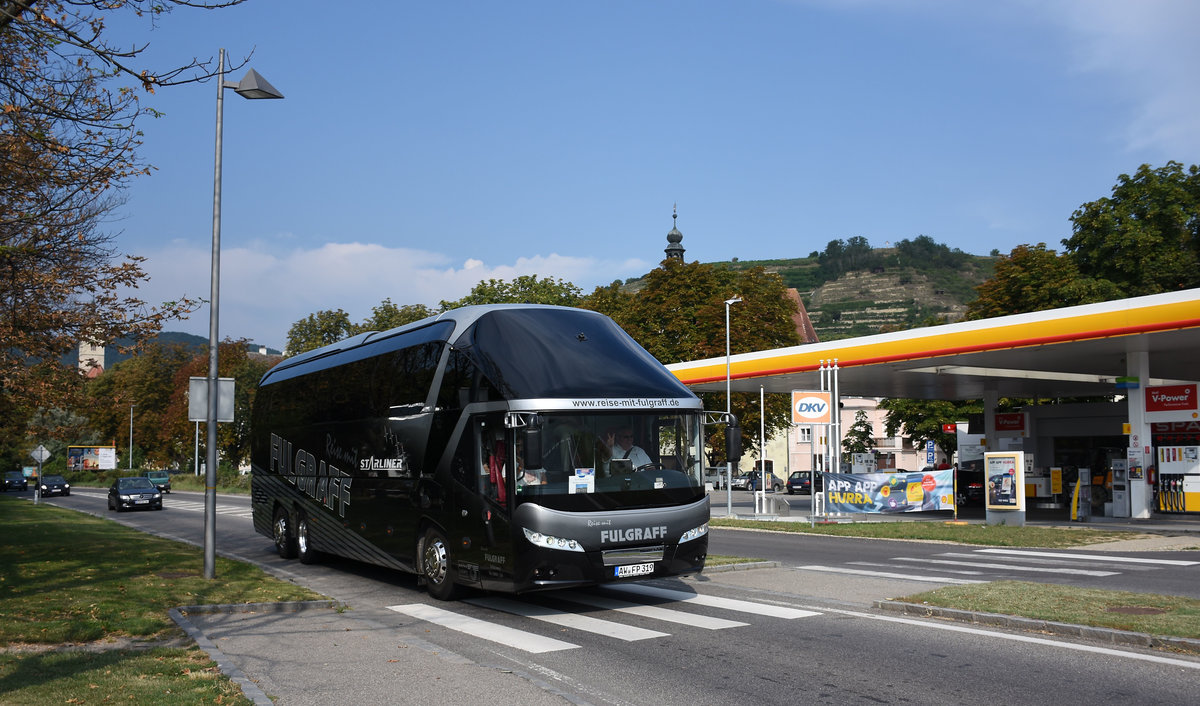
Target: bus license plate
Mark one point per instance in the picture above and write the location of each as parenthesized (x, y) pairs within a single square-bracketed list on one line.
[(634, 570)]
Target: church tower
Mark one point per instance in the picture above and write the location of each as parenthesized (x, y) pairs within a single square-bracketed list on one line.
[(674, 250), (91, 358)]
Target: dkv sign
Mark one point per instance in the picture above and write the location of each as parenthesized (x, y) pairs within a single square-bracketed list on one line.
[(810, 407)]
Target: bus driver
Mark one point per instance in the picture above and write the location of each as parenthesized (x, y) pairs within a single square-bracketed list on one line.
[(620, 444)]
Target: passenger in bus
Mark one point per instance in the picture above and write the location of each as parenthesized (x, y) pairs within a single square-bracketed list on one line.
[(620, 446)]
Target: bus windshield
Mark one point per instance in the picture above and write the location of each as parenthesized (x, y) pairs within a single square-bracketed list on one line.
[(605, 461)]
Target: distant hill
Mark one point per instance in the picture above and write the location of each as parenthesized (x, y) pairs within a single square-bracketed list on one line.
[(879, 296), (857, 290), (192, 342)]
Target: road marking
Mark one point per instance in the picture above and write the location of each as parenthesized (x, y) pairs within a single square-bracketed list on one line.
[(1009, 567), (1032, 560), (887, 575), (965, 572), (510, 637), (649, 611), (711, 601), (933, 625), (1094, 557), (585, 623)]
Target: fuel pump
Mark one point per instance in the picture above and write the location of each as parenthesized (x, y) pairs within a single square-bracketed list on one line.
[(1120, 488), (1179, 478)]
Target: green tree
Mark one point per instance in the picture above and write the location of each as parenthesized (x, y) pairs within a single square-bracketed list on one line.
[(1145, 238), (922, 420), (860, 437), (388, 316), (525, 289), (145, 385), (69, 105), (233, 438), (319, 329), (679, 314), (1036, 279)]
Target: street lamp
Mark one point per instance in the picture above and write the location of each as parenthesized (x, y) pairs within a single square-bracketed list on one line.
[(251, 86), (728, 411), (131, 436)]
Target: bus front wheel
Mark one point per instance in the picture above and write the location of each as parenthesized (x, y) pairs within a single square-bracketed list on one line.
[(436, 566), (285, 541)]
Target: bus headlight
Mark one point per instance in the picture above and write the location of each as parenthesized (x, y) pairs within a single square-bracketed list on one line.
[(694, 533), (551, 542)]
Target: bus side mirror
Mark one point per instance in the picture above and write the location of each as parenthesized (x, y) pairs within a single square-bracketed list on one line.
[(533, 447), (733, 442)]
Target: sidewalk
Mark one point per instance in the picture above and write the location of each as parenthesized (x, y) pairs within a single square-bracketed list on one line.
[(319, 654)]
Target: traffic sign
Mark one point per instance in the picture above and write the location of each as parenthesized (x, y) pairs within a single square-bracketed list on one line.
[(40, 454)]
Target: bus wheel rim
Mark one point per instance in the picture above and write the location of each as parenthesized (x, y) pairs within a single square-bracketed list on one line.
[(281, 530), (435, 560)]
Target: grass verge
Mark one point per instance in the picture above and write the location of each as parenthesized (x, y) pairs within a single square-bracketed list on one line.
[(83, 604), (988, 535), (1154, 614)]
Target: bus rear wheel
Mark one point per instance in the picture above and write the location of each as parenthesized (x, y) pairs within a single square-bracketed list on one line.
[(436, 566), (285, 541), (304, 549)]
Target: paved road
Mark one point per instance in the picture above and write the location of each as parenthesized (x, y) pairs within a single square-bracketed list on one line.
[(785, 635)]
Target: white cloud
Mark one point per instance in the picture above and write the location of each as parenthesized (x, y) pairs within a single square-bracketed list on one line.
[(264, 289), (1149, 49)]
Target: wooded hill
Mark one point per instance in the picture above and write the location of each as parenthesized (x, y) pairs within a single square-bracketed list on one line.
[(852, 289)]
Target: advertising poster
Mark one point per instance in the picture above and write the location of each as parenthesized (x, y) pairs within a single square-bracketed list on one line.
[(888, 492), (91, 458), (1004, 475)]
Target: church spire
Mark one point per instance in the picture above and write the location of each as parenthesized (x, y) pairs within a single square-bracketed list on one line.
[(674, 250)]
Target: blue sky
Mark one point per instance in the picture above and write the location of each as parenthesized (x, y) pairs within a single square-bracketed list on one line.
[(424, 147)]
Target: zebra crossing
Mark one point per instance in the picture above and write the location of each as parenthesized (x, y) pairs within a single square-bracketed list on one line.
[(626, 604), (992, 564), (198, 506), (173, 502)]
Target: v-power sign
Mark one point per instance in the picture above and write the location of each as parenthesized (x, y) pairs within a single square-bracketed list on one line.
[(810, 407)]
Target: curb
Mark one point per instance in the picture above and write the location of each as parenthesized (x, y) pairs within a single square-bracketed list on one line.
[(1109, 635), (744, 566), (249, 688)]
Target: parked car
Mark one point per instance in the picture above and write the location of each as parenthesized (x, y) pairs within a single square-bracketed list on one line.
[(801, 482), (15, 480), (160, 479), (970, 487), (131, 493), (55, 485), (754, 479), (740, 481)]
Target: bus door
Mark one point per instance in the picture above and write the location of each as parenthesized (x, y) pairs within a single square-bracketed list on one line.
[(485, 506)]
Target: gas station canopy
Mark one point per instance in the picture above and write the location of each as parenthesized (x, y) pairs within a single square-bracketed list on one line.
[(1069, 352)]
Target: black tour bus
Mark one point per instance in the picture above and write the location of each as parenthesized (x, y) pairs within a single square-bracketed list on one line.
[(474, 448)]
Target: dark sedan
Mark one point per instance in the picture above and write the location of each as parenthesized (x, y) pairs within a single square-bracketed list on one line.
[(55, 485), (15, 480), (134, 493)]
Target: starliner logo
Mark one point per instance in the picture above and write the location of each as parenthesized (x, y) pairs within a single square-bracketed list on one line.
[(632, 534)]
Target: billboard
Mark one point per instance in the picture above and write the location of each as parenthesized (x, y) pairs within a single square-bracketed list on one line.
[(1004, 480), (888, 492), (91, 458)]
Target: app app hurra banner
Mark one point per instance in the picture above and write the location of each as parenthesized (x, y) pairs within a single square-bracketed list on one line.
[(888, 492)]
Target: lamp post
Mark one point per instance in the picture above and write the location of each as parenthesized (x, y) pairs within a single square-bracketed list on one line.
[(251, 86), (131, 436), (728, 411)]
